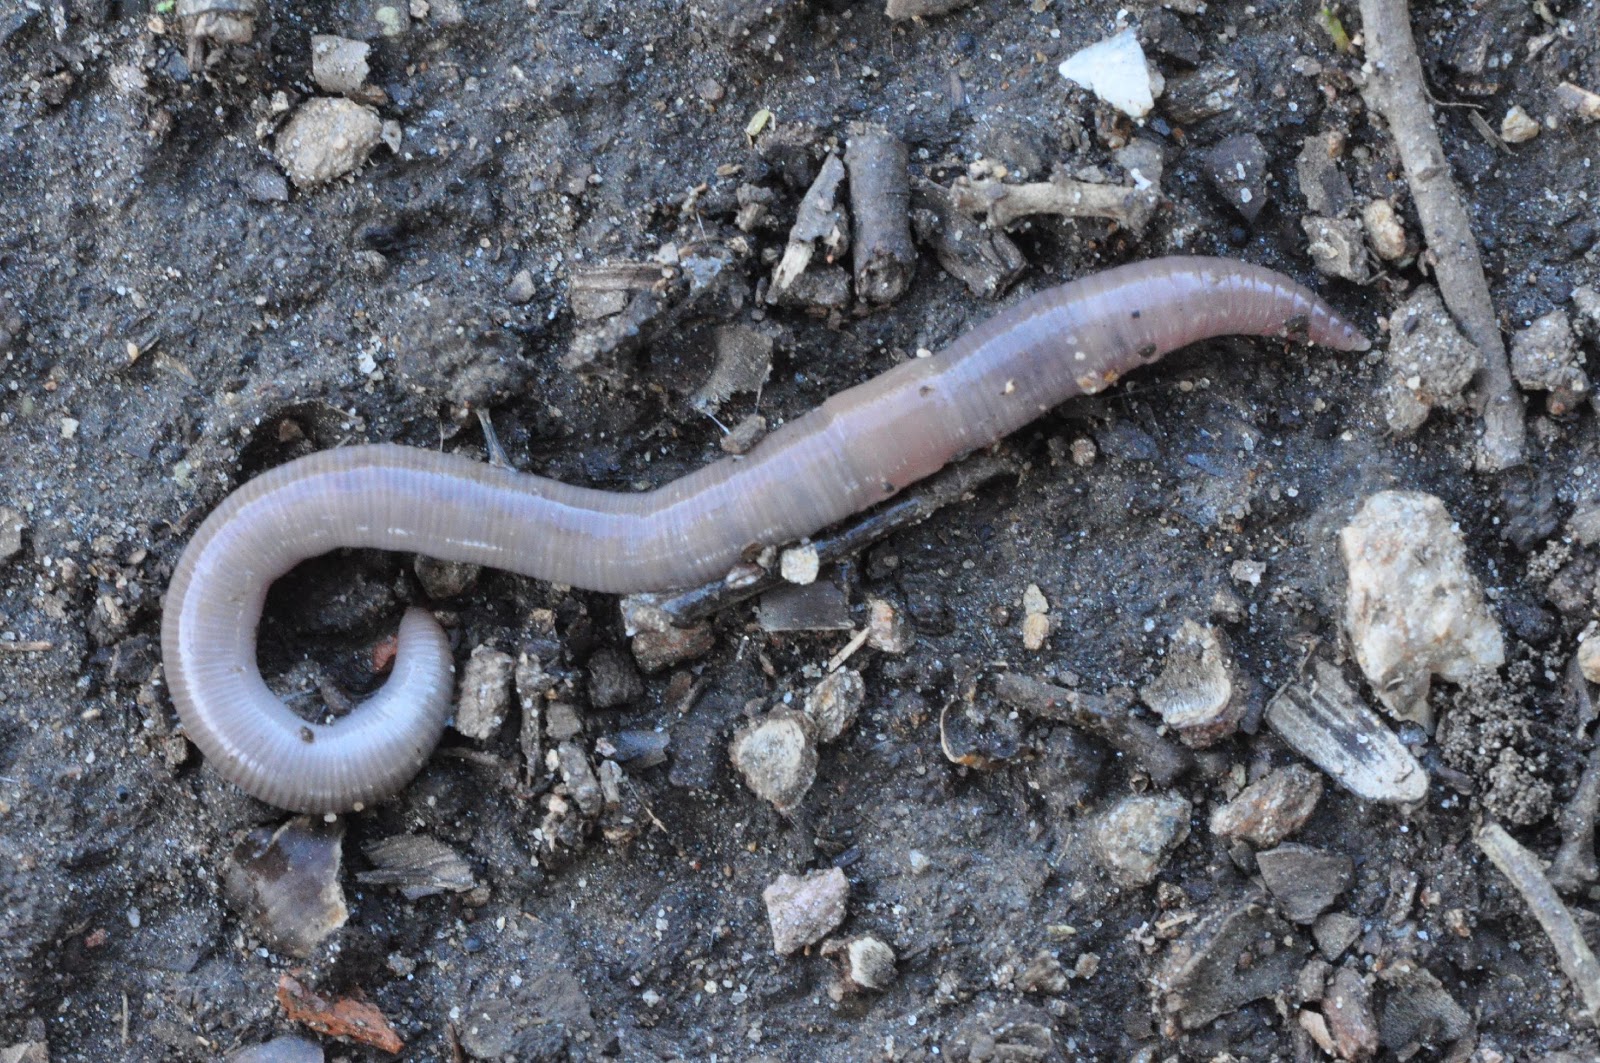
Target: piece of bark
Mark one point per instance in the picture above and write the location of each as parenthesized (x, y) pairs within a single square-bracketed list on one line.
[(818, 221), (979, 256), (880, 205)]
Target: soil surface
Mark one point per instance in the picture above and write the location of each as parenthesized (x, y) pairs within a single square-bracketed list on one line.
[(175, 318)]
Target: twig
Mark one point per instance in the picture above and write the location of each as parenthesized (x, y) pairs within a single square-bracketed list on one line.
[(687, 607), (1522, 868), (1106, 717), (1574, 866), (1398, 90), (26, 647)]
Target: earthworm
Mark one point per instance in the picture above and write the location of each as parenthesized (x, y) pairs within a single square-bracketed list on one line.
[(859, 447)]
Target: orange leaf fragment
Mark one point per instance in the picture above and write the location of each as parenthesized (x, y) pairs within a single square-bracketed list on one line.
[(349, 1017)]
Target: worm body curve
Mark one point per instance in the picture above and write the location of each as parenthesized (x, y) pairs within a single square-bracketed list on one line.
[(858, 448)]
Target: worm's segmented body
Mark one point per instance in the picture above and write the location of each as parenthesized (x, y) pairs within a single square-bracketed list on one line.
[(856, 449)]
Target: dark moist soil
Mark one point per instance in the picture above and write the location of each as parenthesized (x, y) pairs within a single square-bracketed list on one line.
[(137, 209)]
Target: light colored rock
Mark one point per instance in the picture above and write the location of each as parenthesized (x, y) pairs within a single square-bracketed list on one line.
[(338, 64), (1589, 655), (1414, 609), (777, 756), (1133, 838), (834, 702), (1336, 247), (803, 910), (1518, 126), (887, 629), (327, 138), (1431, 362), (1544, 357), (11, 528), (485, 697), (286, 883), (1384, 231), (1115, 70), (868, 963), (800, 564), (1271, 808)]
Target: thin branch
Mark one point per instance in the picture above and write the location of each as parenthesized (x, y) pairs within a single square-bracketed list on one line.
[(1398, 90)]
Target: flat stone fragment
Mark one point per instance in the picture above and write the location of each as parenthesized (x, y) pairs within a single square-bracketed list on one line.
[(1414, 609), (485, 697), (278, 1050), (1271, 808), (1304, 880), (1417, 1010), (286, 882), (1334, 933), (655, 650), (1235, 954), (1347, 1007), (1133, 839), (1114, 70), (1324, 186), (1322, 718), (1198, 693), (803, 910), (1237, 168), (328, 137)]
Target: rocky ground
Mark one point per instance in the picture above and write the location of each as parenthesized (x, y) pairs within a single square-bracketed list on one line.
[(1238, 712)]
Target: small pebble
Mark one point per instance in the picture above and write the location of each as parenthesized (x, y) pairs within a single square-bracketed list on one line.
[(1199, 692), (655, 650), (800, 564), (338, 65), (1518, 127), (1271, 808), (834, 702), (887, 628), (278, 1050), (327, 138), (1589, 657), (521, 290), (777, 756), (11, 528), (613, 681), (1384, 230), (804, 910), (445, 579), (1084, 452), (1133, 839), (1545, 357), (744, 435), (1116, 71), (1336, 247), (869, 964), (485, 698)]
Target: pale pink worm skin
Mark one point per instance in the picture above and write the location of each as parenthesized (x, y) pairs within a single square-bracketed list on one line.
[(858, 448)]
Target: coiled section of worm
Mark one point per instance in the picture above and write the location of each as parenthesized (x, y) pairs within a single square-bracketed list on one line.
[(856, 449)]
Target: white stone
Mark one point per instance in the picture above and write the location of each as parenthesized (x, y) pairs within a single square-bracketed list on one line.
[(1414, 609), (1114, 70)]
